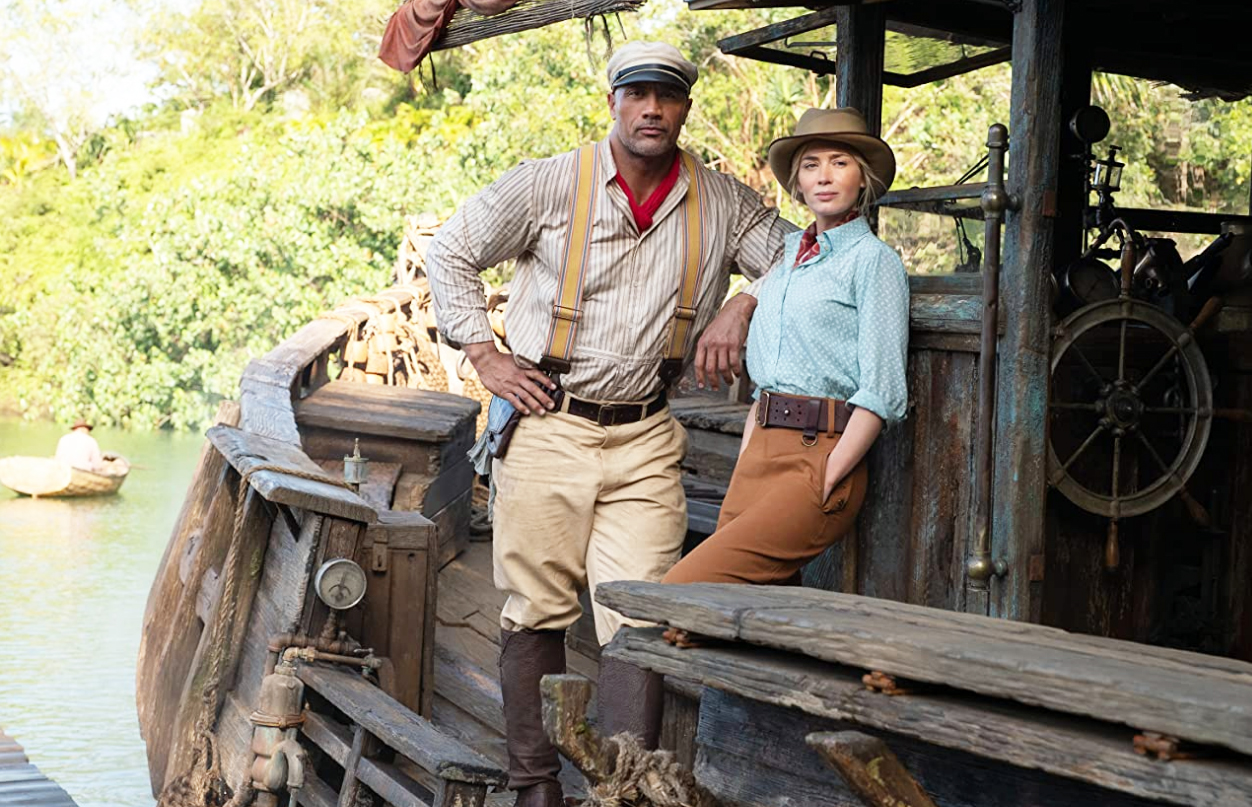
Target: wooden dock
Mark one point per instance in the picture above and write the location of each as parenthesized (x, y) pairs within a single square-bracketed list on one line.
[(24, 785)]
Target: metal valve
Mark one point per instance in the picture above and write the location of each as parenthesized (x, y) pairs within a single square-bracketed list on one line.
[(355, 467)]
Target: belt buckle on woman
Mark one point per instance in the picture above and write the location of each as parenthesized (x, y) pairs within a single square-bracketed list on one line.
[(808, 415)]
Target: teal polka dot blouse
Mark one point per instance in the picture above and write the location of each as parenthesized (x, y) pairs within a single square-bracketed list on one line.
[(837, 325)]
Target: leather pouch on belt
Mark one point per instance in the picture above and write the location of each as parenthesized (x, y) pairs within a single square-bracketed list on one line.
[(502, 420)]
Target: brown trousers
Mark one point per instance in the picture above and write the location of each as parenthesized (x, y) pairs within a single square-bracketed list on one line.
[(774, 518)]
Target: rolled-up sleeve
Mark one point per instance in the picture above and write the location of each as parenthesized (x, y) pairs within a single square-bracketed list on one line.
[(493, 226), (882, 291), (760, 233)]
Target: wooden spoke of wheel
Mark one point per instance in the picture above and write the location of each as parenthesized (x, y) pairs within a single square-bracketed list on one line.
[(1085, 445), (1087, 363), (1169, 354), (1121, 352), (1076, 407)]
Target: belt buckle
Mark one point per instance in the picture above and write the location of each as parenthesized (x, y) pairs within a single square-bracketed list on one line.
[(611, 420), (762, 409)]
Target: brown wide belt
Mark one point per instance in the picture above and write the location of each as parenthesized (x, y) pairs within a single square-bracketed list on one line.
[(613, 414), (810, 415)]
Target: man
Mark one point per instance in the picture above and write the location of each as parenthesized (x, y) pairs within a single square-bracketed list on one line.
[(590, 489), (79, 449)]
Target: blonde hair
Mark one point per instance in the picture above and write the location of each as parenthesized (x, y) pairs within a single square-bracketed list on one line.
[(874, 186)]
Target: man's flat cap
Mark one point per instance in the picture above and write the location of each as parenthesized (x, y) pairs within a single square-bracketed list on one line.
[(651, 61)]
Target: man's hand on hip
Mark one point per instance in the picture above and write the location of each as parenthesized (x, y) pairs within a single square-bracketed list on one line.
[(719, 352), (525, 388)]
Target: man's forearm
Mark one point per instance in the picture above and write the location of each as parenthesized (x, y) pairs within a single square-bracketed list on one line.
[(742, 304)]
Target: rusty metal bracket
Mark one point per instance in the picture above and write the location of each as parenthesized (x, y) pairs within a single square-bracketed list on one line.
[(1162, 747), (380, 551), (878, 681)]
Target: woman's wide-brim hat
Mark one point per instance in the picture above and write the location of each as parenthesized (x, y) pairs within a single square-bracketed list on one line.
[(843, 125)]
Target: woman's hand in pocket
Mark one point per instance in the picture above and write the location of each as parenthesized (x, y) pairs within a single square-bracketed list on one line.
[(835, 472)]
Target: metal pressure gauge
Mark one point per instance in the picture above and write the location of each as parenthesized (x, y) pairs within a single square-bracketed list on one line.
[(340, 583)]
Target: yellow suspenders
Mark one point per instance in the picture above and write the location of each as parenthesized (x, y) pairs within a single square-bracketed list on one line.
[(567, 308)]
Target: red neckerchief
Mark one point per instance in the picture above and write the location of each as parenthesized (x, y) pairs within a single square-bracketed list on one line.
[(643, 213), (809, 246)]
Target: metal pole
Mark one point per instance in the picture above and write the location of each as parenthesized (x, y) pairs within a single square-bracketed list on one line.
[(995, 201)]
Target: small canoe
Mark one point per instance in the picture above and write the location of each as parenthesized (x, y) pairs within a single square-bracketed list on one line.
[(46, 477)]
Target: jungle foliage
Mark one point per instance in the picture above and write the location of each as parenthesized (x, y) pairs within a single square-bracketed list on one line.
[(273, 178)]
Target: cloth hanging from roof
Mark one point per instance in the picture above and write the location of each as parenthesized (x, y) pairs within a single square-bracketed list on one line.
[(412, 31)]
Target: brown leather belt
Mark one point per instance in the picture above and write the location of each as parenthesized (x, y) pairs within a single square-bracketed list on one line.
[(809, 415), (613, 414)]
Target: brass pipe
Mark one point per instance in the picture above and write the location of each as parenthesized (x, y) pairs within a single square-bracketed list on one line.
[(995, 201)]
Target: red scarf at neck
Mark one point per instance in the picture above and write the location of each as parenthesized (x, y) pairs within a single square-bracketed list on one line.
[(809, 246), (643, 213)]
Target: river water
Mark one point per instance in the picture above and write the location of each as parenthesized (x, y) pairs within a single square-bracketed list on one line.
[(74, 579)]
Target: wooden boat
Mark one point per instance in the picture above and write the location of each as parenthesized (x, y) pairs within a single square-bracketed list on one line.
[(44, 477), (997, 645)]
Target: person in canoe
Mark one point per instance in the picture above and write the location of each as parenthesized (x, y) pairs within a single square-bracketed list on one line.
[(79, 449)]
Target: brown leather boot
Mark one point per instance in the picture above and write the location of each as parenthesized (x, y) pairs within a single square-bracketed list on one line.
[(525, 657), (629, 698)]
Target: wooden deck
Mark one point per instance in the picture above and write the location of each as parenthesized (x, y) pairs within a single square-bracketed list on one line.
[(467, 701), (22, 784)]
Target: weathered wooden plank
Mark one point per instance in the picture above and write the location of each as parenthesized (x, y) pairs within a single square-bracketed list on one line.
[(452, 524), (711, 455), (1239, 561), (940, 341), (380, 480), (397, 617), (315, 792), (1188, 695), (22, 784), (176, 631), (175, 583), (468, 26), (244, 451), (264, 413), (679, 722), (945, 313), (869, 767), (386, 780), (1017, 520), (1076, 748), (710, 414), (399, 728), (428, 493), (416, 457), (396, 412), (759, 753), (473, 689), (210, 650)]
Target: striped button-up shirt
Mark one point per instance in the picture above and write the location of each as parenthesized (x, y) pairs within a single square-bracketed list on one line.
[(631, 280), (836, 324)]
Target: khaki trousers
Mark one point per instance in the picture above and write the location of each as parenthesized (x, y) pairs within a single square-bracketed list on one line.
[(578, 504), (774, 518)]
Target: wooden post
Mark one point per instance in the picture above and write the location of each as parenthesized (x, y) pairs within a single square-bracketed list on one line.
[(1020, 488), (870, 769), (351, 787), (861, 42), (860, 37)]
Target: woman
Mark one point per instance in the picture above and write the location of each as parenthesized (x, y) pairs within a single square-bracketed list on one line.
[(827, 349)]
